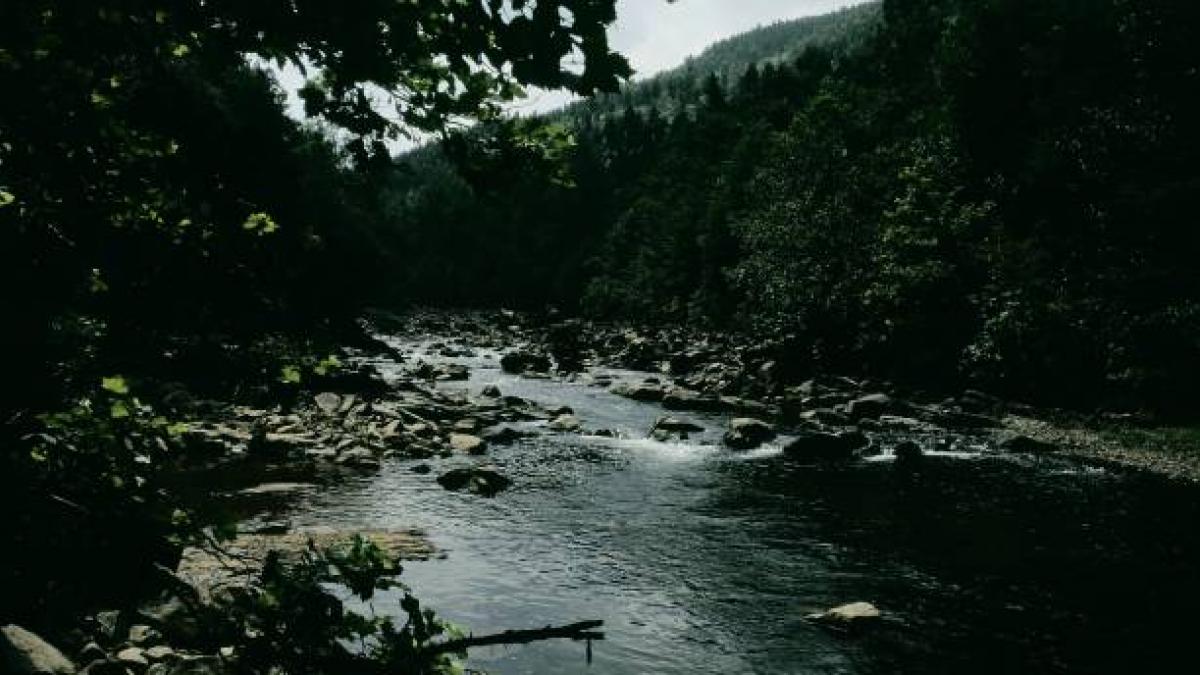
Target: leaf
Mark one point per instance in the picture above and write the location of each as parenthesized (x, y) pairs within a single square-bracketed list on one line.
[(119, 410), (180, 51), (6, 198), (289, 375), (115, 384)]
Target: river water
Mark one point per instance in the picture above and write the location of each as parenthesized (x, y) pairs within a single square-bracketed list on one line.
[(702, 560)]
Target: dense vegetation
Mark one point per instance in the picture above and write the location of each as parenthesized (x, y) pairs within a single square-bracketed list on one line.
[(958, 191), (166, 228)]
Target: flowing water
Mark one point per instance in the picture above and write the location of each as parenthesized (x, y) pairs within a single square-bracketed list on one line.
[(702, 560)]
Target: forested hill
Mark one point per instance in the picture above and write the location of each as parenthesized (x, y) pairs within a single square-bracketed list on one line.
[(947, 191), (779, 43)]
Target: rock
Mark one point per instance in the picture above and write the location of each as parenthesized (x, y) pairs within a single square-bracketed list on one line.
[(142, 635), (746, 433), (825, 416), (109, 624), (871, 406), (91, 652), (272, 489), (504, 436), (134, 657), (676, 425), (490, 391), (825, 447), (105, 666), (160, 653), (452, 373), (851, 617), (421, 469), (198, 665), (328, 402), (24, 653), (562, 410), (564, 423), (647, 393), (679, 398), (1022, 444), (520, 362), (485, 481), (468, 444), (358, 458)]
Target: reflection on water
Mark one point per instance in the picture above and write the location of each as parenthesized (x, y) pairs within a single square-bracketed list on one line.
[(705, 561)]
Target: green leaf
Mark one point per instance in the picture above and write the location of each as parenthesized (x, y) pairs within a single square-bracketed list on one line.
[(115, 384), (119, 410), (6, 198), (289, 375)]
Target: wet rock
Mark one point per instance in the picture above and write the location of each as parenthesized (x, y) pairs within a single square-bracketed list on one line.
[(490, 391), (275, 489), (1022, 444), (564, 423), (504, 436), (421, 469), (467, 444), (747, 433), (826, 416), (819, 446), (91, 652), (520, 362), (358, 458), (105, 666), (676, 425), (109, 624), (485, 481), (679, 398), (852, 617), (24, 653), (871, 406), (645, 392)]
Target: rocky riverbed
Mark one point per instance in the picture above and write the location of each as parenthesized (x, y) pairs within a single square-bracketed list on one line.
[(408, 409)]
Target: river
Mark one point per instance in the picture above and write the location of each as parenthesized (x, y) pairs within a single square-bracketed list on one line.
[(704, 560)]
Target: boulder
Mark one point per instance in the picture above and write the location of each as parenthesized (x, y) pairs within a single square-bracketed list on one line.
[(485, 481), (746, 433), (676, 425), (490, 391), (679, 398), (648, 393), (24, 653), (504, 436), (468, 444), (564, 423), (825, 447), (846, 618)]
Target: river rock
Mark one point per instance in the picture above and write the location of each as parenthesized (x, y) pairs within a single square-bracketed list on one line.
[(746, 433), (358, 458), (141, 635), (908, 452), (24, 653), (490, 391), (646, 392), (854, 616), (565, 423), (485, 481), (679, 398), (504, 436), (160, 653), (825, 447), (676, 425), (468, 444)]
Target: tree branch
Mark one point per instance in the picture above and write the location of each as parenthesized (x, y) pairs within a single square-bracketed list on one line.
[(582, 630)]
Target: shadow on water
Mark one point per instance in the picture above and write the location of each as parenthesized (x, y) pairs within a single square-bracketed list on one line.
[(705, 561)]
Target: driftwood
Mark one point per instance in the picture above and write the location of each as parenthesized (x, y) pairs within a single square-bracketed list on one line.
[(583, 630)]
